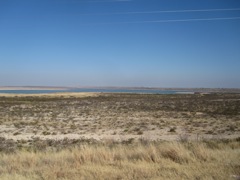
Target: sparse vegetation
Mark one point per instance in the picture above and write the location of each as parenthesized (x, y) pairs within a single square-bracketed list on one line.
[(152, 115), (120, 136)]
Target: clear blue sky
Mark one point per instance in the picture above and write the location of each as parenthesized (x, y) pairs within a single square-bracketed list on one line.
[(114, 43)]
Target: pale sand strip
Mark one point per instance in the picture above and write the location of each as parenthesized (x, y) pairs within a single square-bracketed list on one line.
[(32, 88), (101, 137), (64, 95)]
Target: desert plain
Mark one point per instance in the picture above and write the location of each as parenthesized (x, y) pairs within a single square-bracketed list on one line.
[(120, 136)]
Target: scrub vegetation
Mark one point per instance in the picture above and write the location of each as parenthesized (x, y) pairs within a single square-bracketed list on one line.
[(120, 136), (121, 116)]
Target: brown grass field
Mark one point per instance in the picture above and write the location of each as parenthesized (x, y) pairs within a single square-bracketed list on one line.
[(120, 136)]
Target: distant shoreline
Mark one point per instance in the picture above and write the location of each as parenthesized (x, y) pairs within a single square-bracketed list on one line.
[(192, 90), (32, 88)]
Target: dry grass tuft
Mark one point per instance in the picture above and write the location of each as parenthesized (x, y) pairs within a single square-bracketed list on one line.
[(156, 160)]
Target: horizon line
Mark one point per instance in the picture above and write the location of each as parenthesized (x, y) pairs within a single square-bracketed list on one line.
[(147, 87)]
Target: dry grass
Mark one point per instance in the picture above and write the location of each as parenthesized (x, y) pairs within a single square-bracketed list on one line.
[(162, 160)]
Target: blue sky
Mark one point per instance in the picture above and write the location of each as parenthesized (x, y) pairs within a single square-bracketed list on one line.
[(120, 43)]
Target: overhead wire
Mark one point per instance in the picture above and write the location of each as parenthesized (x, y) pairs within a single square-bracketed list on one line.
[(167, 21), (164, 11)]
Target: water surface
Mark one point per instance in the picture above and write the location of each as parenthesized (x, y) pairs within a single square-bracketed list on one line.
[(143, 91)]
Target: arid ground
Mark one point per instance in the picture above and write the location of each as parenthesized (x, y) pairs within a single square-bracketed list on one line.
[(120, 136), (119, 116)]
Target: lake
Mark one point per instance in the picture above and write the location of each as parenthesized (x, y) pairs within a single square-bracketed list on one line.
[(141, 91)]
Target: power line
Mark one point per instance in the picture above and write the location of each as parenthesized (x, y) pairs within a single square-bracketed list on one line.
[(168, 21), (181, 11), (167, 11), (188, 20)]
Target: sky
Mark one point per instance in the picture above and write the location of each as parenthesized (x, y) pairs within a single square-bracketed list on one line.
[(137, 43)]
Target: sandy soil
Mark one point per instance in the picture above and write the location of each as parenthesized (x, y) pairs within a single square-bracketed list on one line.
[(31, 88), (106, 116), (52, 95)]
